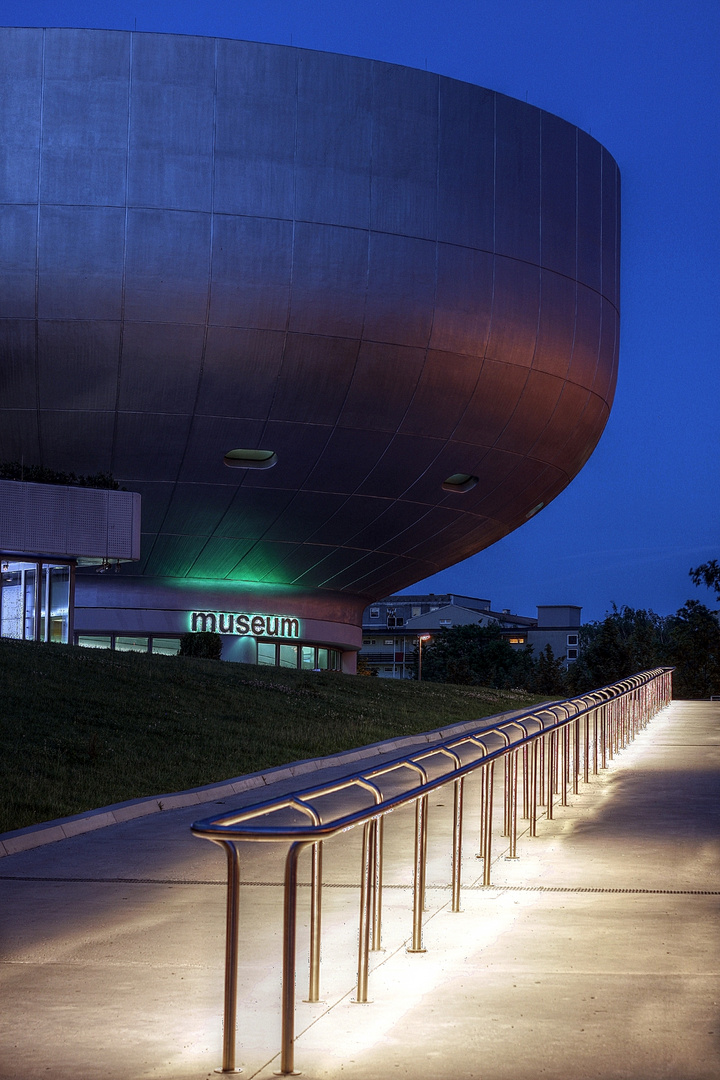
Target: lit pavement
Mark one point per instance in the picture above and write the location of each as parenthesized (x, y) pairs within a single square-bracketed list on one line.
[(594, 955)]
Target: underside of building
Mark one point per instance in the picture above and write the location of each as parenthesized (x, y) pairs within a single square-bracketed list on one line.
[(340, 323)]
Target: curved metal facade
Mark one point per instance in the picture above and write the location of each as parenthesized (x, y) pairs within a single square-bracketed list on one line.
[(384, 276)]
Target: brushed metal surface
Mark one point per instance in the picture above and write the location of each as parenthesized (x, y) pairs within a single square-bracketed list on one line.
[(382, 275)]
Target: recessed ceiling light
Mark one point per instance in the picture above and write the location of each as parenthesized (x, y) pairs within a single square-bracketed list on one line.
[(460, 481), (535, 510), (250, 459)]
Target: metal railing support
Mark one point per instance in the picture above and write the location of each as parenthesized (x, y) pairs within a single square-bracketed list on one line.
[(565, 774), (287, 1037), (366, 874), (551, 745), (458, 786), (541, 769), (379, 824), (488, 771), (534, 761), (315, 921), (232, 932), (512, 810), (419, 876)]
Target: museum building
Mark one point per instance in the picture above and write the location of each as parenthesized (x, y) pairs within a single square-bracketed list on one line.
[(336, 324)]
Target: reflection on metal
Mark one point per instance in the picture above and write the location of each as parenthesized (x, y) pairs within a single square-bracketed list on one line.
[(231, 958), (368, 863), (381, 274), (377, 886), (557, 743), (315, 922)]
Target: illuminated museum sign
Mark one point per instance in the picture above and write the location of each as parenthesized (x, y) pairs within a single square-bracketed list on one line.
[(228, 622)]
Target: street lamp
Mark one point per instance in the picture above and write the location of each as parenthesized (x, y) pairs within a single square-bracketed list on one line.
[(421, 638)]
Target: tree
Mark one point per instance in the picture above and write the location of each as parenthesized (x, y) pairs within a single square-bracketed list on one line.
[(476, 655), (708, 574), (695, 651), (549, 675), (627, 640)]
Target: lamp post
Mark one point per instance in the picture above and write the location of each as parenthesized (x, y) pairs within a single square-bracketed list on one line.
[(421, 638)]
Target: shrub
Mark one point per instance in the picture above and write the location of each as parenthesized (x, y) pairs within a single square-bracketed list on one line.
[(203, 645)]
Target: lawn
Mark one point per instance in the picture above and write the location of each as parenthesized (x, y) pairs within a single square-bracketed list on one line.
[(83, 728)]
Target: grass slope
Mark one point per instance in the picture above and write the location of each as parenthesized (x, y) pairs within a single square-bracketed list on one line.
[(83, 728)]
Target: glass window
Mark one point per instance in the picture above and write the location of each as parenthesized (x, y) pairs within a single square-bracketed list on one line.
[(307, 657), (131, 644), (322, 661), (374, 612), (59, 602), (11, 601), (166, 646), (30, 580), (35, 600), (95, 641), (572, 654), (572, 639), (334, 655), (266, 652), (288, 656)]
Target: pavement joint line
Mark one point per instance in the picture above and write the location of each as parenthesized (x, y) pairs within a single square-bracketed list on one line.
[(348, 885)]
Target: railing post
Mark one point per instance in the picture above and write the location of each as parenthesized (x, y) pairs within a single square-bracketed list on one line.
[(542, 742), (366, 874), (576, 755), (586, 758), (565, 765), (419, 880), (377, 885), (551, 749), (534, 757), (526, 784), (232, 931), (315, 921), (487, 822), (506, 795), (513, 756), (287, 1046), (458, 786), (483, 785)]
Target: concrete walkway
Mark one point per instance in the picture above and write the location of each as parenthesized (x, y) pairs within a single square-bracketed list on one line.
[(594, 955)]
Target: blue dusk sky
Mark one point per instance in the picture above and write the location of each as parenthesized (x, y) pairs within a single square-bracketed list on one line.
[(643, 77)]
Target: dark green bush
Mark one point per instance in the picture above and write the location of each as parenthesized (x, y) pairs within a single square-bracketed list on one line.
[(203, 645)]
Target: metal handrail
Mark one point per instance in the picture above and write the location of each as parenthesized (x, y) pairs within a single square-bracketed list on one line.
[(543, 736)]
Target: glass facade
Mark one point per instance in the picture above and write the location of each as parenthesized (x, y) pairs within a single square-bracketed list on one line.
[(269, 653), (35, 599), (130, 643)]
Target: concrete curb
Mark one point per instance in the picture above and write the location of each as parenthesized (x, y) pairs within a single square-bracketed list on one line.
[(48, 832)]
